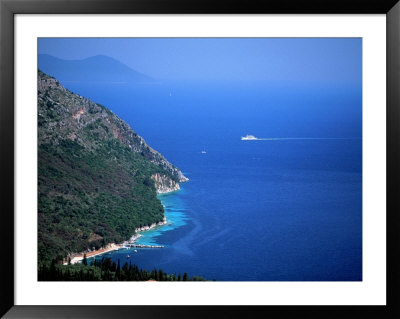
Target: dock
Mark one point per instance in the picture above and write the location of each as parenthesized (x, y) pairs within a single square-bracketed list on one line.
[(143, 246)]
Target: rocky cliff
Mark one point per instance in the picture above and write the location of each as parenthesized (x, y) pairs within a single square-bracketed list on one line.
[(164, 184)]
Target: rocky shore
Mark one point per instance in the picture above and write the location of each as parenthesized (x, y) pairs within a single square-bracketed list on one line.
[(136, 236), (164, 184), (144, 228)]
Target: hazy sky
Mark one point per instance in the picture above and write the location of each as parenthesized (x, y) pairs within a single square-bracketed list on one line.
[(310, 61)]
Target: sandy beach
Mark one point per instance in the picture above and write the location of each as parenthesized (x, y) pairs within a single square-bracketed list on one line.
[(108, 248)]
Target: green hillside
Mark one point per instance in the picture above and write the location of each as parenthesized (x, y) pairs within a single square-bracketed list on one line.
[(94, 174)]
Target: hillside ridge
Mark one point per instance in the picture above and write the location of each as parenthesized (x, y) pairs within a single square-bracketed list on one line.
[(97, 179)]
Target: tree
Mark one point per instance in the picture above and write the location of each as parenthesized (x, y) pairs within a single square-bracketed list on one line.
[(154, 274), (113, 267), (185, 277), (84, 261), (118, 271)]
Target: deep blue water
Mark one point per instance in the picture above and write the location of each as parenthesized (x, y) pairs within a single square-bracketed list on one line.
[(287, 210)]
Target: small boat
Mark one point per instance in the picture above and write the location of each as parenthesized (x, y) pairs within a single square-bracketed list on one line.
[(128, 256), (135, 250), (203, 152)]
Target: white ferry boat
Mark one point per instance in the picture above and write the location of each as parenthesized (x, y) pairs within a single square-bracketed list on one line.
[(249, 138)]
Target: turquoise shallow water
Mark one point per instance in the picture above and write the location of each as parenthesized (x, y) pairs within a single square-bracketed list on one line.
[(174, 212)]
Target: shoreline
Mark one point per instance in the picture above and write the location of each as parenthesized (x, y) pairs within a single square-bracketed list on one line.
[(113, 246), (137, 234), (79, 257)]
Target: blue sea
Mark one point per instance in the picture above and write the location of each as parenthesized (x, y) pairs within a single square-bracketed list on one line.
[(269, 210)]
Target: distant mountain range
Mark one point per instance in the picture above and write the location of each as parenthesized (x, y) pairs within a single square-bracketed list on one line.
[(98, 68)]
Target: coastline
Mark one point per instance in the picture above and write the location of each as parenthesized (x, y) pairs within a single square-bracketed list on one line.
[(76, 258), (79, 257), (113, 246), (136, 236)]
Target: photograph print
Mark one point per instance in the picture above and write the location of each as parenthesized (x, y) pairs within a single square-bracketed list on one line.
[(199, 159)]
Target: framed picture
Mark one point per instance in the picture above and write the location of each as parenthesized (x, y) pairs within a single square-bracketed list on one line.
[(240, 150)]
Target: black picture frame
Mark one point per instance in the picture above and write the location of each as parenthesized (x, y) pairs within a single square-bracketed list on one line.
[(9, 8)]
